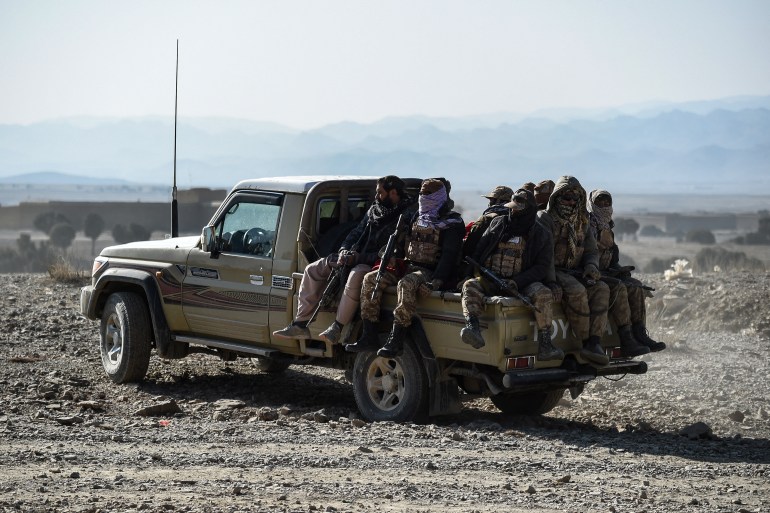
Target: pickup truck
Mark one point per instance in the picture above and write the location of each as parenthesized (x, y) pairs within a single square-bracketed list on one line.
[(224, 293)]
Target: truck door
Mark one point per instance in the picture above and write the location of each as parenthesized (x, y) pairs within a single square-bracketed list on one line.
[(226, 293)]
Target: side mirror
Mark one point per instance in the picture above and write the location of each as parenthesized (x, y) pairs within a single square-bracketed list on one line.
[(209, 239)]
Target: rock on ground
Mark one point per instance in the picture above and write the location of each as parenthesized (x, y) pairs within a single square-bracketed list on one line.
[(691, 435)]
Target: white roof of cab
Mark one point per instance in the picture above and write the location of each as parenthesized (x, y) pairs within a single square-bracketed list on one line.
[(298, 184)]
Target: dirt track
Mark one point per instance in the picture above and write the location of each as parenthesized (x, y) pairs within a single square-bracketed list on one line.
[(247, 441)]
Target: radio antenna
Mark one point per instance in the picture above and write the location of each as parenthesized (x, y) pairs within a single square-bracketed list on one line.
[(174, 206)]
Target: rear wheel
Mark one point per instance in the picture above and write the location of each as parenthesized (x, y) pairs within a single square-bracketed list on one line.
[(125, 337), (529, 403), (394, 389)]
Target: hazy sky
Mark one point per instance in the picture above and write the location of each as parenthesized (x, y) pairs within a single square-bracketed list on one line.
[(308, 63)]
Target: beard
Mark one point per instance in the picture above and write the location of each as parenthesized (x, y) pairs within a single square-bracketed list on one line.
[(386, 203)]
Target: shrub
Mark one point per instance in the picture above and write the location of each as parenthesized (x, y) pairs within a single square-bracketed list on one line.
[(133, 233), (658, 265), (700, 237), (651, 230), (707, 258), (27, 257), (62, 271)]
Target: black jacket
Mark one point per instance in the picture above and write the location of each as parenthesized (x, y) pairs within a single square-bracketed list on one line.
[(367, 239), (538, 253)]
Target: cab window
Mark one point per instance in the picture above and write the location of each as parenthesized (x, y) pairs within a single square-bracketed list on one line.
[(329, 214), (250, 223)]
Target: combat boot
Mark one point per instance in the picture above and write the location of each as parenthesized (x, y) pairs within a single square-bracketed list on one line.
[(641, 336), (471, 333), (369, 340), (593, 351), (545, 348), (395, 344), (629, 346)]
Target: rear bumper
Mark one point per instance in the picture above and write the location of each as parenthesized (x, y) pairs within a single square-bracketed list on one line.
[(570, 376)]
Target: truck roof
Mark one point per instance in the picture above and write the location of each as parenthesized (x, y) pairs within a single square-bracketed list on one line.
[(298, 184)]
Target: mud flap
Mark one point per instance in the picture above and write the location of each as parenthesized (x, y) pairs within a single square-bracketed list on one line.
[(444, 398)]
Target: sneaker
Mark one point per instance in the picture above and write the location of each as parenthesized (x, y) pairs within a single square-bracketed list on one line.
[(331, 334), (293, 331)]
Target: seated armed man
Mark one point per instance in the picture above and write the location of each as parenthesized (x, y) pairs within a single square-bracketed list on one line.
[(431, 247), (585, 298), (626, 293), (359, 251), (497, 197), (518, 250)]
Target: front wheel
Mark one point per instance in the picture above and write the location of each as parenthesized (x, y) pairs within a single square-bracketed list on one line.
[(394, 389), (529, 403), (125, 337)]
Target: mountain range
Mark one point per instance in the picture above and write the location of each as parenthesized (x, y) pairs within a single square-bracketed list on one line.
[(696, 147)]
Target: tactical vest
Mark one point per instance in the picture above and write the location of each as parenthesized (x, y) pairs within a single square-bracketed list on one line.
[(561, 248), (506, 260), (423, 244), (605, 240)]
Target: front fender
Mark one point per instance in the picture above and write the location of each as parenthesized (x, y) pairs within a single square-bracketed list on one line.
[(116, 280)]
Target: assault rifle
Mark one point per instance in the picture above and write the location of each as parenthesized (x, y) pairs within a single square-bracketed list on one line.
[(609, 276), (486, 273), (334, 283), (390, 248)]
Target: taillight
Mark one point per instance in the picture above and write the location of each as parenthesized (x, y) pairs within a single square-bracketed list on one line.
[(520, 362)]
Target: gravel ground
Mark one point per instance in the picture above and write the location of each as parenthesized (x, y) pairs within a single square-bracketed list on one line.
[(691, 435)]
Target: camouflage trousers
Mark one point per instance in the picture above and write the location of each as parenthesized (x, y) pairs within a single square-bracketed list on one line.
[(475, 289), (584, 306), (406, 289), (627, 302)]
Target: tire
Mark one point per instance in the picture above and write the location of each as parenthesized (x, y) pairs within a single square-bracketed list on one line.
[(530, 403), (125, 337), (391, 389), (272, 366)]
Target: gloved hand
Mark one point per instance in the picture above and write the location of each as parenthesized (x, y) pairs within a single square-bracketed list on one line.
[(556, 291), (347, 258), (590, 272)]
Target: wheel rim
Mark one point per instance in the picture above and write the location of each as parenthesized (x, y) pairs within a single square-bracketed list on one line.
[(385, 383), (112, 342)]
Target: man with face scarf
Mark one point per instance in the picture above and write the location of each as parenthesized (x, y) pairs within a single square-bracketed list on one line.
[(519, 250), (430, 249), (585, 303), (360, 252), (627, 297), (497, 197)]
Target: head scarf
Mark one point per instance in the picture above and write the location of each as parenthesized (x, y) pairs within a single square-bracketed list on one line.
[(428, 209), (601, 217), (521, 221), (574, 218)]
